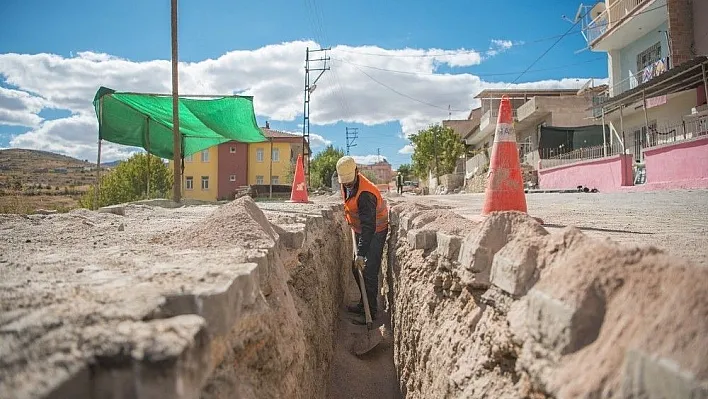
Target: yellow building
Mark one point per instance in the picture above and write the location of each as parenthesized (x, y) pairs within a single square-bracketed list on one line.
[(218, 172), (283, 148)]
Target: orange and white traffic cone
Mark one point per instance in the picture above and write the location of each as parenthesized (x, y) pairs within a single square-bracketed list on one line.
[(505, 185), (299, 189)]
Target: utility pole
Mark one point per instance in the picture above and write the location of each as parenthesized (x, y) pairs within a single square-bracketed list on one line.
[(378, 155), (321, 66), (352, 133), (435, 151), (177, 142)]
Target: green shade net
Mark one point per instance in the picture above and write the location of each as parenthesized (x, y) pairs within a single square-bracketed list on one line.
[(142, 120)]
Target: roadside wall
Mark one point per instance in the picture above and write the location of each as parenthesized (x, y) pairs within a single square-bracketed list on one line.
[(502, 309), (678, 165), (606, 174)]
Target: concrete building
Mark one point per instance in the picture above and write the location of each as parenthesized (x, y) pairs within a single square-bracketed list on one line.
[(656, 72), (381, 169), (218, 172), (531, 110)]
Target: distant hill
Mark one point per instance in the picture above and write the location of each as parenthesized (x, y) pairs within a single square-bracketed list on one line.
[(32, 167), (110, 164)]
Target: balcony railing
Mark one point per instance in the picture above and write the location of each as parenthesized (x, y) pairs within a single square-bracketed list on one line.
[(611, 17), (527, 109)]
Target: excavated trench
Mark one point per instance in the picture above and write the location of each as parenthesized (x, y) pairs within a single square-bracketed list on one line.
[(245, 301)]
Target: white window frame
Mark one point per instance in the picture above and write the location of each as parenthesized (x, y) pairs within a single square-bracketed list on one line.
[(189, 183), (232, 177), (260, 154), (205, 155), (275, 154), (205, 179), (259, 179), (275, 180), (189, 158)]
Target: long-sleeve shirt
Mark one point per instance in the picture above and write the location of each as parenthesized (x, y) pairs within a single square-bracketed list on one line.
[(367, 215)]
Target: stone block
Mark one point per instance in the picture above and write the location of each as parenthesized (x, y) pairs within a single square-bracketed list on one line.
[(114, 209), (422, 239), (565, 327), (513, 267), (449, 245), (654, 377), (476, 258)]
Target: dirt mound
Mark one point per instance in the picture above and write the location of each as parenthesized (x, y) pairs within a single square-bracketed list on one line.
[(238, 223)]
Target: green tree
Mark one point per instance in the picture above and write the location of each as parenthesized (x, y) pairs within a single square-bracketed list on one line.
[(449, 150), (405, 170), (323, 166), (128, 182), (371, 176)]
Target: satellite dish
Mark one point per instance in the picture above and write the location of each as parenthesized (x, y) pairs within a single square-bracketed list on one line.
[(598, 9)]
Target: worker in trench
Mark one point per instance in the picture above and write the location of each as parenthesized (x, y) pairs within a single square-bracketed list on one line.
[(367, 213)]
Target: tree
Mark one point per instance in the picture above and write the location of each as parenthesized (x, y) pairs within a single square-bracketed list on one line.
[(323, 165), (128, 182), (371, 176), (405, 170), (449, 150)]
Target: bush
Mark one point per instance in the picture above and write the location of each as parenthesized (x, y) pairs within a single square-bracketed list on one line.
[(128, 182)]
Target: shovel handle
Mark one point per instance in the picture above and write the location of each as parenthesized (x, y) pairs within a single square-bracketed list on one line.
[(362, 287)]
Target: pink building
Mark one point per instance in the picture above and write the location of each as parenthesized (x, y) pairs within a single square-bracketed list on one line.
[(382, 170)]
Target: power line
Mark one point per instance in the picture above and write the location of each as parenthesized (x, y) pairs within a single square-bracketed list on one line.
[(471, 73)]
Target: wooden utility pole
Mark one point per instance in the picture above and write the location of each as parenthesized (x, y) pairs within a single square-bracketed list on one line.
[(177, 145)]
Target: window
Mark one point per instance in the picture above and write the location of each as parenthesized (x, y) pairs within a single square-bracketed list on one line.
[(648, 56), (189, 183), (259, 179), (232, 178), (188, 158), (275, 155), (232, 150), (275, 180), (259, 155), (205, 182), (205, 155)]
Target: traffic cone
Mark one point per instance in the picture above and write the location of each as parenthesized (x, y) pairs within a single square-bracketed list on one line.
[(299, 190), (505, 185)]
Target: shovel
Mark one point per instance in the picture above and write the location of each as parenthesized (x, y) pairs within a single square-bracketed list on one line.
[(373, 338)]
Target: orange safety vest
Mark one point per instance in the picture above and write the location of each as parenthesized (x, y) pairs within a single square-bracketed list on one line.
[(351, 206)]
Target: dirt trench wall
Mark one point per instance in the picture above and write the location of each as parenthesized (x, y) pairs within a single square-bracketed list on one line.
[(155, 303), (502, 309)]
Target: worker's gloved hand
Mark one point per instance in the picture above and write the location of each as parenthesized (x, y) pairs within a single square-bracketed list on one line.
[(359, 262)]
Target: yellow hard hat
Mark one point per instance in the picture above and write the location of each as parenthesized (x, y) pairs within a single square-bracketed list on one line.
[(346, 169)]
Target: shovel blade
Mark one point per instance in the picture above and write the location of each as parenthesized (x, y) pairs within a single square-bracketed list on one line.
[(366, 343)]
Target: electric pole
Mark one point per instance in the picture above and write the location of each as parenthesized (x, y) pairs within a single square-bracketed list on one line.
[(435, 151), (378, 155), (352, 133), (321, 66), (177, 142)]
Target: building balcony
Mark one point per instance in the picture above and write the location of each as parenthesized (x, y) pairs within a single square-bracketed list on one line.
[(489, 120), (621, 22), (652, 71)]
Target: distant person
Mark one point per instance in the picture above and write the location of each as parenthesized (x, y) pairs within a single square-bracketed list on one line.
[(399, 183)]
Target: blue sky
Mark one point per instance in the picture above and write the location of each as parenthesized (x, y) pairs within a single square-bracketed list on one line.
[(139, 32)]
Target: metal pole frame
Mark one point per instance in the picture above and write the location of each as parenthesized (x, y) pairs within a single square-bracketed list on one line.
[(97, 194), (646, 121), (176, 138), (604, 134), (147, 145), (624, 139)]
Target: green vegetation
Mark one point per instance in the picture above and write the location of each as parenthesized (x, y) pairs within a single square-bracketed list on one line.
[(449, 149), (128, 182), (323, 166)]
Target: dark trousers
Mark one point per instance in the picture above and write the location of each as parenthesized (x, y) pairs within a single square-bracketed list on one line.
[(371, 272), (399, 189)]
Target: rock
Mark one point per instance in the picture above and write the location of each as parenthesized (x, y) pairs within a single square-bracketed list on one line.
[(121, 227), (479, 247), (422, 239), (653, 377), (114, 209), (449, 245), (513, 267), (565, 327), (45, 211)]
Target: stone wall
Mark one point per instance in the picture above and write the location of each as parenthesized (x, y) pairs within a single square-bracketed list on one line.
[(171, 303), (502, 309)]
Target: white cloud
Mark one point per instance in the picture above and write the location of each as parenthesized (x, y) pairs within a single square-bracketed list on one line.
[(368, 159), (318, 141), (497, 46), (272, 74), (407, 149), (20, 108)]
